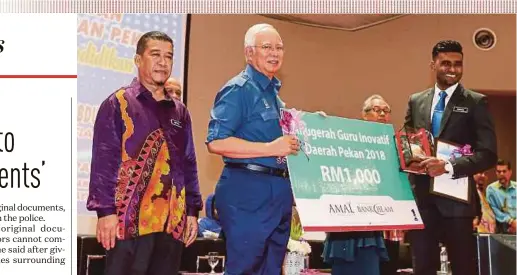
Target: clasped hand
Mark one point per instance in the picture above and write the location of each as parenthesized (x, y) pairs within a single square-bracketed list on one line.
[(284, 146), (432, 166)]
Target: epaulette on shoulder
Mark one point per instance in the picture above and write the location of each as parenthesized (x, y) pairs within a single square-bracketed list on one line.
[(241, 79)]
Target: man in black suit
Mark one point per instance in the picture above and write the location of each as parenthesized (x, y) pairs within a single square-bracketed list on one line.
[(455, 114)]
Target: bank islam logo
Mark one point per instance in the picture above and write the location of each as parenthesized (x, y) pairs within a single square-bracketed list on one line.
[(348, 209)]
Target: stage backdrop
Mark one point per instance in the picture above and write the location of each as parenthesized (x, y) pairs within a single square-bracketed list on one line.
[(106, 45)]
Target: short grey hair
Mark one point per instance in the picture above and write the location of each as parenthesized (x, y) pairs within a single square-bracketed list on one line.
[(249, 38), (367, 105)]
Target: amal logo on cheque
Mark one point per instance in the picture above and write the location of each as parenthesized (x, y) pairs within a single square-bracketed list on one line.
[(360, 208)]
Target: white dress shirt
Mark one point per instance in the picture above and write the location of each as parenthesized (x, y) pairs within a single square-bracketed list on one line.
[(436, 98)]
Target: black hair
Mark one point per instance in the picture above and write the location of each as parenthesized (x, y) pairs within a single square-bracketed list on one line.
[(152, 35), (447, 46), (504, 162)]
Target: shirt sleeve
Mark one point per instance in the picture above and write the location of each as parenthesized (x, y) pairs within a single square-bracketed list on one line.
[(448, 167), (194, 200), (106, 159), (500, 216), (227, 113)]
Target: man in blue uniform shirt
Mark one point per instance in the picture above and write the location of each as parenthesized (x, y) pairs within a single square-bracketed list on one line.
[(253, 195), (501, 197)]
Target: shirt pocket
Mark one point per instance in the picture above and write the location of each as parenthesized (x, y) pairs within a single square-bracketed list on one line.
[(269, 114)]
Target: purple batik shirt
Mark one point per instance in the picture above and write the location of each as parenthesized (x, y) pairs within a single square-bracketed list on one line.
[(143, 166)]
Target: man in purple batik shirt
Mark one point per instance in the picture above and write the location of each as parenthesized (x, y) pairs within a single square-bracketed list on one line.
[(143, 182)]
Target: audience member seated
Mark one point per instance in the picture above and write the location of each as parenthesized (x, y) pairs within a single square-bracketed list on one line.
[(209, 226), (501, 197)]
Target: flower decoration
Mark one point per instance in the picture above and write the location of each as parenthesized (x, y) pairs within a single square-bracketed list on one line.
[(461, 152), (301, 246), (296, 242), (291, 121), (285, 121), (292, 124)]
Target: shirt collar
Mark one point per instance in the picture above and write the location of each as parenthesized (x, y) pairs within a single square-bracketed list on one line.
[(262, 79), (512, 184), (142, 92), (449, 90)]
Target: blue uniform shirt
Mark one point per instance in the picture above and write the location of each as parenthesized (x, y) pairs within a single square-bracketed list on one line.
[(247, 107), (502, 201)]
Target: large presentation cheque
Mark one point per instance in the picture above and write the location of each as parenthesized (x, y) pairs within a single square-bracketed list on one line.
[(346, 176)]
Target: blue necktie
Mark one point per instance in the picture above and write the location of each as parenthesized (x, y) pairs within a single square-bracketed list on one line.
[(438, 113)]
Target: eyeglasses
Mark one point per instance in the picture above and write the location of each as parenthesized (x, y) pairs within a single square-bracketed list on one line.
[(379, 110), (268, 48)]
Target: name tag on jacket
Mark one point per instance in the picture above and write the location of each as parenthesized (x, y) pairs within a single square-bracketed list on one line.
[(459, 109)]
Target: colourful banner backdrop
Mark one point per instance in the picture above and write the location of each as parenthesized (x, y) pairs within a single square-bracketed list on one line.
[(106, 45), (347, 176)]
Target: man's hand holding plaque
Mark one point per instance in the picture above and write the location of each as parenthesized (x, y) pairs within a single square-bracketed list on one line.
[(420, 153), (413, 146), (434, 167)]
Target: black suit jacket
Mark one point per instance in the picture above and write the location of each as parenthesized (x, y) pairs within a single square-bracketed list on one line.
[(471, 124)]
